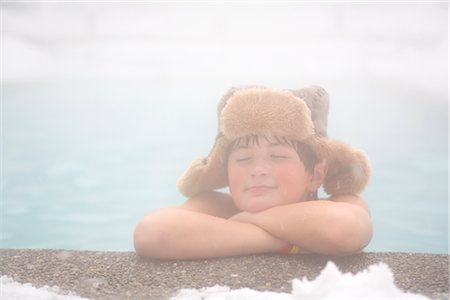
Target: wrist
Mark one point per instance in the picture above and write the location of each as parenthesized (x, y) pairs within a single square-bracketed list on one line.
[(243, 217), (289, 249)]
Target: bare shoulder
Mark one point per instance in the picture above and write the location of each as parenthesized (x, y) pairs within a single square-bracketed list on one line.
[(353, 200), (212, 203)]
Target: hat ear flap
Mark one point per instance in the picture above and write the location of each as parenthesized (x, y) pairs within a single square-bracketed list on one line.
[(206, 173), (349, 169)]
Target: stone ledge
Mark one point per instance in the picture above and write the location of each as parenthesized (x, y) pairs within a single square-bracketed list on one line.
[(124, 275)]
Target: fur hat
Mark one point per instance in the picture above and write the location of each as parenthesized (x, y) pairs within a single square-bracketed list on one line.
[(296, 114)]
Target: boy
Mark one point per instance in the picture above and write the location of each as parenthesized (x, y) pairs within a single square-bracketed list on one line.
[(273, 152)]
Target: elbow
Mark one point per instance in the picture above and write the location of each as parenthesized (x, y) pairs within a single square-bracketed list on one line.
[(143, 239), (149, 238), (353, 241), (352, 235)]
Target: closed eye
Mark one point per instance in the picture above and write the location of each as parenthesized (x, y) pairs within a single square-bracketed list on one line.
[(279, 156), (243, 159)]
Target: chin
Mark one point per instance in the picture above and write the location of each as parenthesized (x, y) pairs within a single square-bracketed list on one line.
[(257, 207), (252, 204)]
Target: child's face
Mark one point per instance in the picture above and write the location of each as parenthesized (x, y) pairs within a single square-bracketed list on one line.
[(266, 174)]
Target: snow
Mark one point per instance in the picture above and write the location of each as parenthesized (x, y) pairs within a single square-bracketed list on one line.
[(376, 282), (12, 290)]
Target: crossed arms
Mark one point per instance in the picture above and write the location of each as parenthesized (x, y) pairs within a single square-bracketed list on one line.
[(209, 225)]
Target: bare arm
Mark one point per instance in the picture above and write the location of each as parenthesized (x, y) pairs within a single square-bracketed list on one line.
[(338, 226), (199, 229)]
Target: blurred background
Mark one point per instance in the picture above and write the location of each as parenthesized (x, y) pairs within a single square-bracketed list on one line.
[(105, 104)]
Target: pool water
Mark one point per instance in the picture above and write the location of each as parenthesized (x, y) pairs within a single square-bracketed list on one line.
[(84, 160)]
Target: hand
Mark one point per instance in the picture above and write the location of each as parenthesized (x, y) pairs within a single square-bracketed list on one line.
[(243, 217)]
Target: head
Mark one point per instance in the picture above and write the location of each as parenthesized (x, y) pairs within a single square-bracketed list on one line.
[(286, 117), (268, 170)]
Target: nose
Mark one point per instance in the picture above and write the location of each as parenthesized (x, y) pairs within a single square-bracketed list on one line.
[(259, 171)]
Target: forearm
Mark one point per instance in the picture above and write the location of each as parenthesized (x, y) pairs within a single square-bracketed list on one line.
[(183, 234), (317, 226)]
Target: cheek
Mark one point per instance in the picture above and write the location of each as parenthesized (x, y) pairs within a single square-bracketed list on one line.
[(236, 177), (293, 181), (287, 176)]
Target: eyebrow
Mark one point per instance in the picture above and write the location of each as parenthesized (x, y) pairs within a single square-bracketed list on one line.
[(250, 140), (240, 147), (271, 144)]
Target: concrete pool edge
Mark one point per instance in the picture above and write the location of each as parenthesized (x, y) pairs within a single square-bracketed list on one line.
[(123, 275)]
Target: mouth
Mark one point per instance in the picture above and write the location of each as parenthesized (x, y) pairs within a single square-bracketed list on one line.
[(259, 189)]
